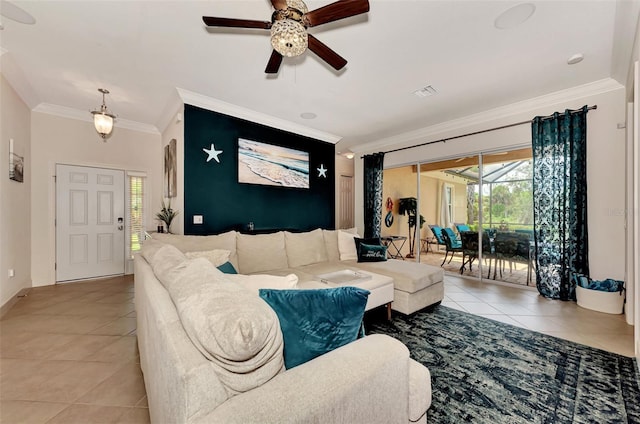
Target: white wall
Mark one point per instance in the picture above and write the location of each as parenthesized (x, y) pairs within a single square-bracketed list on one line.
[(61, 140), (175, 129), (605, 165), (15, 201), (344, 167), (633, 190)]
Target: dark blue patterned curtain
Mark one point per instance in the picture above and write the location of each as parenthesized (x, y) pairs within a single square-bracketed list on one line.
[(373, 194), (560, 201)]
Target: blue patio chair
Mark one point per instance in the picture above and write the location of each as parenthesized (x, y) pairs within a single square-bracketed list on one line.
[(437, 233), (462, 228), (451, 242)]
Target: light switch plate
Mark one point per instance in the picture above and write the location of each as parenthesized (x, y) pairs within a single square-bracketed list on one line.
[(197, 219)]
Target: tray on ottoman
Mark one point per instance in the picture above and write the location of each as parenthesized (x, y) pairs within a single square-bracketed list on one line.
[(345, 276)]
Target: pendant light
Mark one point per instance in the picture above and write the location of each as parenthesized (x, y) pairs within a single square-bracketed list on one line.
[(102, 119)]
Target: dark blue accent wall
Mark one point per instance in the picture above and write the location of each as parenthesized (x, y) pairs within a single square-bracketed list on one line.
[(211, 189)]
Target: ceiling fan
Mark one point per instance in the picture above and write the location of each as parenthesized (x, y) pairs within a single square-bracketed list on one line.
[(289, 23)]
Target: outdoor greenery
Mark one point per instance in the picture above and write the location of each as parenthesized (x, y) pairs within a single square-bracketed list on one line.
[(507, 204), (136, 192)]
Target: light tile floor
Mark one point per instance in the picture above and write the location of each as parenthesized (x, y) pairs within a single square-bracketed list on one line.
[(524, 307), (68, 353)]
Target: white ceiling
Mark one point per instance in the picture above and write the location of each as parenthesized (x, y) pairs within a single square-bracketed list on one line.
[(142, 51)]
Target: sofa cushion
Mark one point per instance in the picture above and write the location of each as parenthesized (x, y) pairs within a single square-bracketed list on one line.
[(231, 326), (347, 245), (261, 253), (331, 244), (407, 276), (371, 253), (419, 390), (226, 241), (255, 282), (305, 248), (163, 259), (150, 248), (316, 321), (216, 256)]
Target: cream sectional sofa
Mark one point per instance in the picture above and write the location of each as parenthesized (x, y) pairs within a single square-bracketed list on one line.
[(212, 352), (308, 254)]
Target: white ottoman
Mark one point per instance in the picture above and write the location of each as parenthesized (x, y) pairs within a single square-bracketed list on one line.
[(379, 286)]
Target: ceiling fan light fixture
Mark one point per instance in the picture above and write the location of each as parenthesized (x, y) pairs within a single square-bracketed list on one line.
[(102, 119), (298, 5), (289, 37)]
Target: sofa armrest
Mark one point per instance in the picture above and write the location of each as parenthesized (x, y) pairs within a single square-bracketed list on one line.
[(366, 381)]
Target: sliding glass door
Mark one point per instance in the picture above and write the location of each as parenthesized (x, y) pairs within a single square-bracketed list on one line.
[(477, 213)]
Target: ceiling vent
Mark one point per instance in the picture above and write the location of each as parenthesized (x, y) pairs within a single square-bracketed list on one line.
[(426, 91)]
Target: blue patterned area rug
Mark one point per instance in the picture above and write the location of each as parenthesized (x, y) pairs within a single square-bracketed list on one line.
[(484, 371)]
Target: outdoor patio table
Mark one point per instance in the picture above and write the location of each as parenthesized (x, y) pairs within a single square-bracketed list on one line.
[(393, 250)]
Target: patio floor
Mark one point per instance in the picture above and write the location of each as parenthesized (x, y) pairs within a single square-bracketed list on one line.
[(515, 273)]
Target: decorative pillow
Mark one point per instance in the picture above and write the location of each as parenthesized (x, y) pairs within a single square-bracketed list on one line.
[(255, 282), (371, 253), (347, 245), (216, 256), (314, 322), (373, 241), (227, 268)]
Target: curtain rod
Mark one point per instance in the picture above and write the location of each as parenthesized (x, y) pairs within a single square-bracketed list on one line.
[(444, 140)]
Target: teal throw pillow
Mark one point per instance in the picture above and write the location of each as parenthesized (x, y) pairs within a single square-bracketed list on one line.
[(371, 253), (227, 268), (316, 321)]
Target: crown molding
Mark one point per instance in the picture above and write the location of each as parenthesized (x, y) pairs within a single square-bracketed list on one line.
[(173, 107), (80, 115), (502, 112), (17, 80), (220, 106)]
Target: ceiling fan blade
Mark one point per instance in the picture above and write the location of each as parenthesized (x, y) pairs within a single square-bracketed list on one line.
[(335, 11), (326, 54), (274, 63), (279, 4), (235, 23)]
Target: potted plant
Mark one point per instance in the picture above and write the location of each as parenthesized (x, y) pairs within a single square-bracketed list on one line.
[(409, 206), (167, 214)]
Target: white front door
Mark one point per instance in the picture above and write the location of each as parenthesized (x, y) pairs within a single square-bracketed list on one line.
[(89, 222)]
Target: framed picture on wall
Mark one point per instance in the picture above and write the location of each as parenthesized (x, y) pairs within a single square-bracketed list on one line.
[(16, 165), (170, 172), (268, 164), (16, 168)]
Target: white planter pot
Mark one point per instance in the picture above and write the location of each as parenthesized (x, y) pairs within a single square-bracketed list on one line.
[(607, 302)]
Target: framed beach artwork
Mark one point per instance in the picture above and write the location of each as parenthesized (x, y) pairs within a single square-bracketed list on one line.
[(170, 172), (16, 165), (268, 164)]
